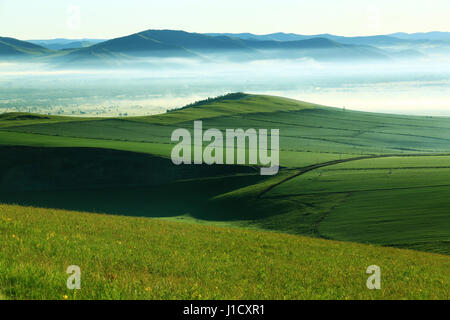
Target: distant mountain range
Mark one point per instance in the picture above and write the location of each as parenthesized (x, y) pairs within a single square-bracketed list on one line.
[(434, 36), (137, 47), (10, 47), (181, 44), (390, 39), (62, 44)]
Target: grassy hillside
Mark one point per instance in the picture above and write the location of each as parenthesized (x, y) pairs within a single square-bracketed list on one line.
[(353, 176), (396, 201), (304, 127), (135, 258), (324, 188)]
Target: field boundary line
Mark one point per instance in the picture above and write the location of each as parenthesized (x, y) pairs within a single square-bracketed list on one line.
[(306, 169)]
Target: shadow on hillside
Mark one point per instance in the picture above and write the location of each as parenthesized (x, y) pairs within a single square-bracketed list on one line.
[(114, 182), (189, 197)]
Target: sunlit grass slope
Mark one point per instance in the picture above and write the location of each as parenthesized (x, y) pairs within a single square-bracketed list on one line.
[(393, 199), (138, 258), (229, 105), (14, 119), (396, 201), (309, 133)]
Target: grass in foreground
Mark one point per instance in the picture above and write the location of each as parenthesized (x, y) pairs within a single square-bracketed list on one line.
[(138, 258)]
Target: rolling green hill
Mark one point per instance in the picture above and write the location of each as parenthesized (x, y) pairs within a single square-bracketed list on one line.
[(10, 47), (352, 176)]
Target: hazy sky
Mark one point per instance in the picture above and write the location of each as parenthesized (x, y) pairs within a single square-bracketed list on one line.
[(43, 19)]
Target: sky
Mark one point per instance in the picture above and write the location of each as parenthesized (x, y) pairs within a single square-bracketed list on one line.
[(103, 19)]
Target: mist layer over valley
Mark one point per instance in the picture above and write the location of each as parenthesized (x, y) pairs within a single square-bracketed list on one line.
[(153, 71)]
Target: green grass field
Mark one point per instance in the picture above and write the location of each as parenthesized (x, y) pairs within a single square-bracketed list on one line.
[(139, 258), (361, 178)]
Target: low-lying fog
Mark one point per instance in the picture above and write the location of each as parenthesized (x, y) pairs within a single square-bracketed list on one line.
[(419, 87)]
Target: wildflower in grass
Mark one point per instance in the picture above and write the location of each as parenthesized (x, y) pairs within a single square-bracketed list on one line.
[(65, 297)]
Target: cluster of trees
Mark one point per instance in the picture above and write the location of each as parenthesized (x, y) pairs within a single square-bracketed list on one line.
[(228, 96)]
